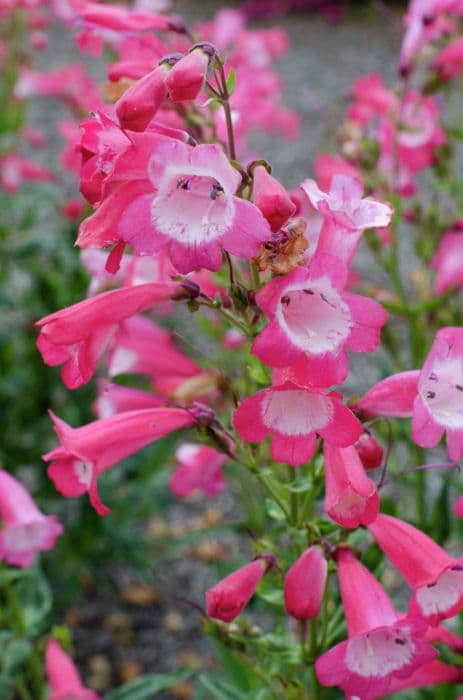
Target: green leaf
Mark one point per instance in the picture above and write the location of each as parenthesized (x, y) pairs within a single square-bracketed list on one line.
[(34, 596), (221, 690), (273, 510), (231, 82), (13, 656), (144, 687)]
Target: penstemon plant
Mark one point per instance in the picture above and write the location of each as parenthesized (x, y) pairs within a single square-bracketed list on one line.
[(335, 486)]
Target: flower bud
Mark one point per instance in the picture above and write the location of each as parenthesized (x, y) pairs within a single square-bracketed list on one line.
[(228, 598), (305, 584), (186, 78), (271, 198), (369, 450), (138, 105)]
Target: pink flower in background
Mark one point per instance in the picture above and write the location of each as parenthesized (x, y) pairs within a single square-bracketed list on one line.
[(449, 62), (24, 530), (80, 334), (228, 598), (63, 677), (15, 170), (381, 645), (351, 498), (438, 408), (369, 450), (199, 469), (435, 577), (86, 452), (326, 166), (194, 211), (305, 583), (293, 415), (448, 262), (372, 99), (311, 315), (114, 398)]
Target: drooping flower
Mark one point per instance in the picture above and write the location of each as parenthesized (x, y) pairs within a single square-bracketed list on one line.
[(393, 396), (228, 598), (186, 78), (24, 529), (194, 211), (310, 315), (271, 198), (435, 577), (63, 678), (199, 469), (351, 498), (138, 105), (86, 452), (79, 335), (305, 583), (381, 644), (294, 414)]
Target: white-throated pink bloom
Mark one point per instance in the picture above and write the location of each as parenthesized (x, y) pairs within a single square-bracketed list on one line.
[(381, 644), (312, 316), (195, 212), (24, 529), (199, 469)]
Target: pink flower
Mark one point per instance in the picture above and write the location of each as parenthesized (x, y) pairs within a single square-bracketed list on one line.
[(228, 598), (119, 18), (92, 449), (24, 529), (310, 315), (271, 198), (114, 398), (138, 105), (448, 262), (372, 99), (458, 507), (194, 210), (430, 674), (16, 170), (64, 680), (200, 469), (435, 576), (79, 335), (351, 498), (393, 396), (381, 645), (438, 408), (186, 78), (326, 166), (293, 414), (305, 583)]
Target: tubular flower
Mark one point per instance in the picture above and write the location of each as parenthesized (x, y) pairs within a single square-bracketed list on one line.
[(24, 529), (294, 414), (351, 498), (271, 198), (92, 449), (381, 645), (435, 577), (79, 335), (228, 598), (310, 315), (64, 680), (194, 211), (187, 77), (305, 583)]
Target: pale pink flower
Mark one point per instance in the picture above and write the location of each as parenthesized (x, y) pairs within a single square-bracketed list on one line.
[(310, 315), (199, 469), (24, 529), (293, 415), (381, 645), (194, 211)]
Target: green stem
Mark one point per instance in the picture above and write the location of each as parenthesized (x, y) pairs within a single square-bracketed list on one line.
[(293, 499), (313, 649), (228, 117)]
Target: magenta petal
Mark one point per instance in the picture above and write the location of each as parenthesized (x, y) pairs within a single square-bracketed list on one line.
[(455, 444), (136, 229), (189, 258), (330, 667), (369, 317), (249, 230), (273, 347), (291, 449), (393, 396), (248, 421), (425, 431), (344, 429)]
